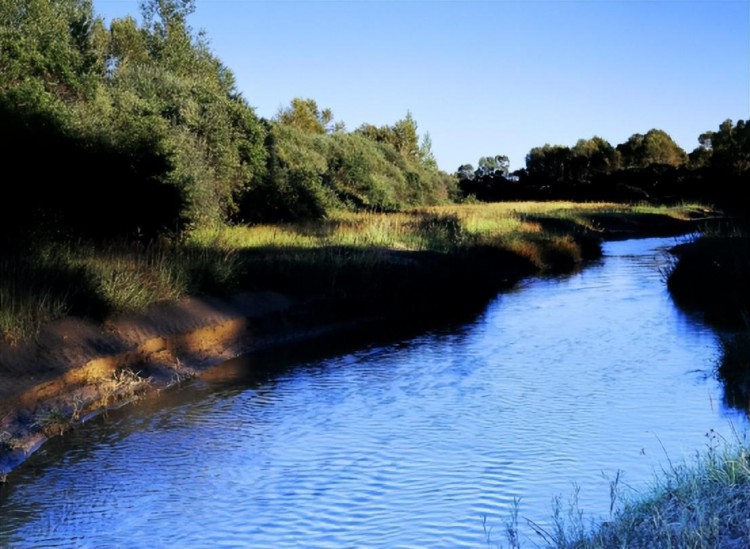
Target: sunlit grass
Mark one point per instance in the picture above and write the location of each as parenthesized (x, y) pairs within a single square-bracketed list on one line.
[(102, 279), (408, 230)]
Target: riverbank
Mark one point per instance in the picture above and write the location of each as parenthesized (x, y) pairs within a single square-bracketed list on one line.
[(75, 368), (702, 503), (699, 505)]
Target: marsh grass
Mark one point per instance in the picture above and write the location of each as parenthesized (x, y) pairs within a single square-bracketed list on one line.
[(698, 504), (344, 255)]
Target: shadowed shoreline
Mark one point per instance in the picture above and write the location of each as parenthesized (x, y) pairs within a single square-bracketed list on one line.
[(75, 369)]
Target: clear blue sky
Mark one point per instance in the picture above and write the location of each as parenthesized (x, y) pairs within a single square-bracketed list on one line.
[(494, 76)]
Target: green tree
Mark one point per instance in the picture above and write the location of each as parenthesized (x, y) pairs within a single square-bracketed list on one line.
[(465, 172), (148, 101), (550, 163), (165, 72), (402, 136), (591, 158), (47, 44), (305, 115), (426, 156), (655, 147), (127, 46), (729, 147), (493, 165)]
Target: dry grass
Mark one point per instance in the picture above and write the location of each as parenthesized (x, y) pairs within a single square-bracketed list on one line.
[(102, 279)]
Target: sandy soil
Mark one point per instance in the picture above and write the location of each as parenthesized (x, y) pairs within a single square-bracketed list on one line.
[(75, 369)]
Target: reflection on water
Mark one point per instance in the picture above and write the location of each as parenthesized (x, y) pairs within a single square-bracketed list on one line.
[(560, 383)]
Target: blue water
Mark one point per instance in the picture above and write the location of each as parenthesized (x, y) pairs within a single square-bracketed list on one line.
[(420, 442)]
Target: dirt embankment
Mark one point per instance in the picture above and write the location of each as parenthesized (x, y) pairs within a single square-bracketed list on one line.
[(75, 369)]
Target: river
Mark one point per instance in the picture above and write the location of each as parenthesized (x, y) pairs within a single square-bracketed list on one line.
[(423, 441)]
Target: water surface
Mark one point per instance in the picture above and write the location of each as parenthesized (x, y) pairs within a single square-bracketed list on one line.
[(420, 442)]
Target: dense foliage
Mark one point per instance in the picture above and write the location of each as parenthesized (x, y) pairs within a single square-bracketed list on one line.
[(646, 167), (314, 166), (142, 120)]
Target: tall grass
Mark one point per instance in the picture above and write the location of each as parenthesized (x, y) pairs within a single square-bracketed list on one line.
[(698, 504), (339, 255), (28, 298), (97, 280)]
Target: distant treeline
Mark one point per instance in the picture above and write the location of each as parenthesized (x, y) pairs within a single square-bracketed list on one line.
[(143, 122), (650, 167), (137, 128)]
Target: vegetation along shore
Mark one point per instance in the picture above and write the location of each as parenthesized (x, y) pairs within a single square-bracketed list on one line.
[(134, 323), (216, 232)]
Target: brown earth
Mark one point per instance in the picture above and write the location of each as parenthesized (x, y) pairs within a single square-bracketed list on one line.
[(75, 369)]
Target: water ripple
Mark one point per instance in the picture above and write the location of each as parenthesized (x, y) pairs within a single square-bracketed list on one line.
[(422, 443)]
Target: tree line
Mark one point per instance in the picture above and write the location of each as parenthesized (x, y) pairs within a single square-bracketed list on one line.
[(142, 120), (648, 166)]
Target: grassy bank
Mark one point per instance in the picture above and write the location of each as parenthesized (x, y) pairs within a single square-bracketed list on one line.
[(711, 273), (448, 253), (416, 269), (702, 504), (710, 277)]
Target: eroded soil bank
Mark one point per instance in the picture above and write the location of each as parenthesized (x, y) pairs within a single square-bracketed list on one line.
[(76, 369)]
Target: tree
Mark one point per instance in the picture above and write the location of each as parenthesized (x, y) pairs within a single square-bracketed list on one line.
[(127, 46), (46, 44), (549, 164), (128, 110), (655, 147), (591, 158), (730, 146), (425, 153), (305, 115), (465, 172), (493, 165), (700, 157), (402, 136)]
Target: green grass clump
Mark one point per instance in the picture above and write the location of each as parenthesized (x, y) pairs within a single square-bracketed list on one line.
[(703, 504), (32, 292)]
